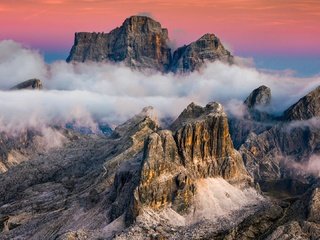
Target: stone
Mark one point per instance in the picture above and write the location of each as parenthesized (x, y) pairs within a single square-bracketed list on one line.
[(193, 56), (260, 96), (34, 84), (306, 108), (140, 42)]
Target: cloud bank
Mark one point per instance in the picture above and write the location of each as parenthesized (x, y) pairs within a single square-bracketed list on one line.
[(87, 92)]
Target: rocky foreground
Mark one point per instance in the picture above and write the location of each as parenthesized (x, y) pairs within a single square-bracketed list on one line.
[(145, 182)]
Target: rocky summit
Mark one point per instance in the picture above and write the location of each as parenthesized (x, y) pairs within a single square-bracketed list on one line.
[(306, 108), (206, 49), (29, 84), (142, 43)]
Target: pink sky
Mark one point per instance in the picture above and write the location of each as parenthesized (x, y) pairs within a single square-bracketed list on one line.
[(290, 27)]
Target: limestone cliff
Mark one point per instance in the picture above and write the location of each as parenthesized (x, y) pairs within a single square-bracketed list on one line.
[(140, 42), (172, 162)]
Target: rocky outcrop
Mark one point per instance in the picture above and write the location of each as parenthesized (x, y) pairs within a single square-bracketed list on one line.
[(206, 49), (140, 42), (306, 108), (260, 96), (29, 84), (254, 119), (200, 147)]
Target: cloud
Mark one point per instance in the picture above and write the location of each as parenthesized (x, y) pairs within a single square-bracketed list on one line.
[(87, 92)]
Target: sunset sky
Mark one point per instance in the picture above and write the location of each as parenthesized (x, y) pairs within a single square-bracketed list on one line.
[(279, 34)]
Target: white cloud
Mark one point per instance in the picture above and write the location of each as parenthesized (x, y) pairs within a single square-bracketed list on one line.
[(87, 91)]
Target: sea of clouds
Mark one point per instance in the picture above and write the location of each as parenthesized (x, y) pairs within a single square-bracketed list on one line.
[(85, 93)]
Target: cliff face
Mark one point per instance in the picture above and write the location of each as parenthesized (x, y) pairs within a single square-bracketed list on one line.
[(173, 162), (206, 49), (307, 107), (286, 150), (141, 42)]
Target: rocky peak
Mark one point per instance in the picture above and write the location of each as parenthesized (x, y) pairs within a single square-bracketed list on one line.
[(173, 162), (29, 84), (147, 118), (193, 56), (306, 108), (140, 43), (194, 112), (260, 96)]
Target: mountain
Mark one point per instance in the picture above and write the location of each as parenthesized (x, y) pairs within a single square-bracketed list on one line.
[(260, 96), (283, 154), (206, 49), (142, 43), (29, 84), (306, 108), (254, 118), (185, 182)]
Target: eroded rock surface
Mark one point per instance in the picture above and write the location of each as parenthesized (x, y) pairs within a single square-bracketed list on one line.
[(193, 56), (140, 42)]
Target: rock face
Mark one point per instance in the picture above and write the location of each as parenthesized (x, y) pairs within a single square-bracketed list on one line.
[(142, 43), (254, 120), (306, 108), (206, 49), (201, 147), (285, 151), (29, 84), (260, 96)]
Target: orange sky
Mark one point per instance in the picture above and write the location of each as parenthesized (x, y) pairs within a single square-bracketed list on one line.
[(246, 26)]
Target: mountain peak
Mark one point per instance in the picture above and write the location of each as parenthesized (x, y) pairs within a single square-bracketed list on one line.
[(141, 43), (29, 84), (306, 108), (260, 96)]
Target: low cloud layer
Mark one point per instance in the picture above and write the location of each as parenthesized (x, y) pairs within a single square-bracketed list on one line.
[(86, 92)]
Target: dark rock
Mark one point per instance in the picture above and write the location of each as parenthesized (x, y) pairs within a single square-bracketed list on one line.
[(140, 42), (260, 96), (29, 84), (206, 49), (306, 108)]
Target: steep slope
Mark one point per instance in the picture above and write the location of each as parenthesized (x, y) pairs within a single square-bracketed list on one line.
[(66, 192), (206, 49), (306, 108), (140, 43), (286, 151), (254, 119)]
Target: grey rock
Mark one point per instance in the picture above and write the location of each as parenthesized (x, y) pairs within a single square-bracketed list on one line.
[(260, 96), (29, 84), (193, 56), (140, 42), (306, 108)]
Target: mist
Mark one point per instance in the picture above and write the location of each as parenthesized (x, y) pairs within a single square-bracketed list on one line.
[(85, 93)]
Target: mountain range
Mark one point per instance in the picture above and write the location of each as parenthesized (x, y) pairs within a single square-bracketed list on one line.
[(206, 175)]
